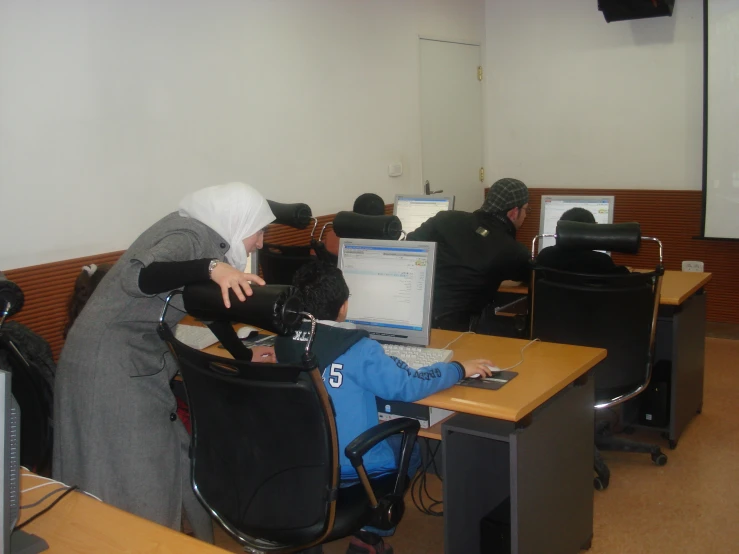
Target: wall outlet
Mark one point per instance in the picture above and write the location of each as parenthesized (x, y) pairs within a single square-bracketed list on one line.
[(692, 265)]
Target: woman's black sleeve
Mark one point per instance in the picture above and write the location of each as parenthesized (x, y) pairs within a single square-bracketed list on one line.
[(164, 276)]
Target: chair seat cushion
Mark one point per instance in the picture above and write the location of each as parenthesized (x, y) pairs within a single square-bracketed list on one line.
[(353, 509)]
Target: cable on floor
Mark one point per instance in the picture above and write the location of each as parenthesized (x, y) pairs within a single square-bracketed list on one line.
[(419, 485)]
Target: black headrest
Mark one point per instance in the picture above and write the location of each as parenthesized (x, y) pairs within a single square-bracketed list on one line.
[(350, 225), (614, 237), (273, 308), (292, 215), (10, 293)]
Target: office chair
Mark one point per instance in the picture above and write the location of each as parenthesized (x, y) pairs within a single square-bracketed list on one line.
[(28, 358), (352, 225), (614, 311), (280, 262), (264, 453)]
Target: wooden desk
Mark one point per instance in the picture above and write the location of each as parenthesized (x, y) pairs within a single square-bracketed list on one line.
[(547, 369), (677, 286), (530, 442), (79, 523)]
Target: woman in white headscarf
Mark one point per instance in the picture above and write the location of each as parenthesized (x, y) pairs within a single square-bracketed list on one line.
[(116, 430)]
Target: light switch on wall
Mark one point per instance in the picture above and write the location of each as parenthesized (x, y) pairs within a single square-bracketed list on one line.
[(395, 169)]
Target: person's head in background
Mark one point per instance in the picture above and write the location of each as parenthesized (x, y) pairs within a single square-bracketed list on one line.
[(86, 283), (509, 198), (369, 204), (323, 290), (578, 214)]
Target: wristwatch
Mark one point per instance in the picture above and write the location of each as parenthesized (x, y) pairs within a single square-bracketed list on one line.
[(212, 265)]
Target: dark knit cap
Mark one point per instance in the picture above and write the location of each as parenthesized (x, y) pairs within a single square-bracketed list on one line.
[(504, 195)]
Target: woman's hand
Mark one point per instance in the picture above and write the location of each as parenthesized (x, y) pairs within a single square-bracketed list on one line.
[(477, 368), (228, 277), (263, 354)]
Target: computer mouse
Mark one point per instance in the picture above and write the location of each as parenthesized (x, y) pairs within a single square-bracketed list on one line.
[(493, 368)]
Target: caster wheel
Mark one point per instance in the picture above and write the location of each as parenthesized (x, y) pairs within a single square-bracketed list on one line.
[(673, 444), (659, 459), (699, 410), (588, 545), (600, 484)]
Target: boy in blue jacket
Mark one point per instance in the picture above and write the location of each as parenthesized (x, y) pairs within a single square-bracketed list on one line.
[(355, 371)]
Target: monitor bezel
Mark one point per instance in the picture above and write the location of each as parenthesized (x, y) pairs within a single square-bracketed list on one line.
[(389, 334), (588, 198)]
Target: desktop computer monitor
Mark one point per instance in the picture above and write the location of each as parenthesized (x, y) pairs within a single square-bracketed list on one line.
[(391, 286), (413, 211), (552, 208), (9, 458), (252, 263)]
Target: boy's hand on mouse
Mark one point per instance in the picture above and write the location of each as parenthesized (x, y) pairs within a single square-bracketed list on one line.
[(263, 354), (477, 368)]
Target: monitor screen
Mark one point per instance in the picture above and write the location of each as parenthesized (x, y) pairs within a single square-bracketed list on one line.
[(391, 285), (552, 208), (413, 211)]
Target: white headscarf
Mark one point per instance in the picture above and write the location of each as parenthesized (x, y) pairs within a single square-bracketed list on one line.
[(235, 211)]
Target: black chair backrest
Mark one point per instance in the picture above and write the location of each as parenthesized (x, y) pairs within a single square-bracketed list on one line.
[(279, 263), (352, 225), (264, 445), (298, 216), (614, 237), (615, 312)]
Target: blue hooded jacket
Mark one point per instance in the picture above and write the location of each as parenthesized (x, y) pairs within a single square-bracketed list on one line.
[(355, 371)]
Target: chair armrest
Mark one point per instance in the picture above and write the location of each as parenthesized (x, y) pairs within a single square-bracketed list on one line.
[(356, 449), (374, 435)]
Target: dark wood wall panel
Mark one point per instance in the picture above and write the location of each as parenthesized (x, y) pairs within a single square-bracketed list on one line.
[(674, 217)]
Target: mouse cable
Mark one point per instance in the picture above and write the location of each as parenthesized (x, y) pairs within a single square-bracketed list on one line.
[(459, 337), (521, 353), (49, 507)]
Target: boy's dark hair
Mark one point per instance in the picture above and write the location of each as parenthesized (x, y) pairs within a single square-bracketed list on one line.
[(322, 288), (369, 204), (86, 283), (578, 214)]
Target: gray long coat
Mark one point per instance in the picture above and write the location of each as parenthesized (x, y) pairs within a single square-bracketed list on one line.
[(116, 432)]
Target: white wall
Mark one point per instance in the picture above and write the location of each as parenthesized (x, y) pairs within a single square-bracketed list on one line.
[(110, 111), (575, 101)]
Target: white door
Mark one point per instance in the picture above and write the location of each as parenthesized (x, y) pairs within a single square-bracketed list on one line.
[(451, 121)]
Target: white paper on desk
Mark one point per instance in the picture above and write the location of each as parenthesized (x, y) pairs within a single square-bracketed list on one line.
[(195, 336), (245, 332)]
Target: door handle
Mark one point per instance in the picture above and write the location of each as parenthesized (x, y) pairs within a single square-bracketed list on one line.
[(427, 189)]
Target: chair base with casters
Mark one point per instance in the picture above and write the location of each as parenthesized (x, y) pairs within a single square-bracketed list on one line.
[(264, 452)]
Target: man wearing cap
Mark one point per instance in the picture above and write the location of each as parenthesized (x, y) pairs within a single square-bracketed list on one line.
[(475, 252)]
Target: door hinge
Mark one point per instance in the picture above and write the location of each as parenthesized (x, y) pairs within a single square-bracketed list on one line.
[(482, 174), (479, 73)]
